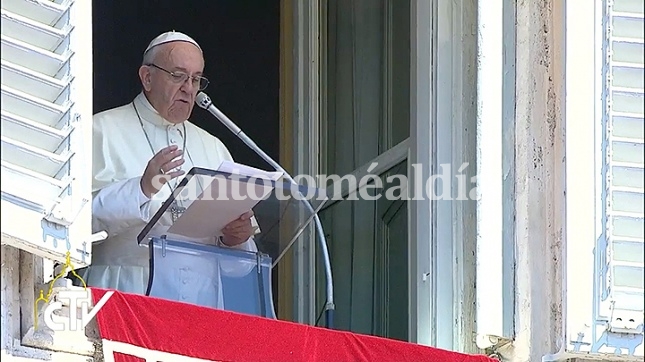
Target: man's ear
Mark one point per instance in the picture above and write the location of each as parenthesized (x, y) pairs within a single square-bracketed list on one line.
[(145, 77)]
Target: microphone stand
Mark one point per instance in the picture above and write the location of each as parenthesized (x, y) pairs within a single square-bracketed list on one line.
[(204, 101)]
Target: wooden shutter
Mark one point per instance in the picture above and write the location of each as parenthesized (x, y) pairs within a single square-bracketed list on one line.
[(46, 127), (622, 298)]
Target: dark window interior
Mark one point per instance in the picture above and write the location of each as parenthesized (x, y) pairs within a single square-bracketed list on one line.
[(241, 42)]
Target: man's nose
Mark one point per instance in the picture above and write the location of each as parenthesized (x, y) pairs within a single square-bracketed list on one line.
[(189, 85)]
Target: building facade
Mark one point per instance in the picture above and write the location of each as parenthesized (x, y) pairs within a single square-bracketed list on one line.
[(532, 248)]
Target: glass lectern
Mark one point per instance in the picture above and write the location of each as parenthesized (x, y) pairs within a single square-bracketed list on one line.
[(188, 260)]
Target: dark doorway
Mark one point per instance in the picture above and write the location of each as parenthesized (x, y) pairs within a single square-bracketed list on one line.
[(241, 43)]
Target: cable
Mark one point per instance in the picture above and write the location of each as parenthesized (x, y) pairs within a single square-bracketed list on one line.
[(322, 311)]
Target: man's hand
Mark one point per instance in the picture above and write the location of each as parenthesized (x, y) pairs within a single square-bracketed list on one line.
[(238, 230), (160, 170)]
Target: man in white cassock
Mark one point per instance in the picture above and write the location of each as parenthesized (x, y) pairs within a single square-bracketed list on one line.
[(134, 145)]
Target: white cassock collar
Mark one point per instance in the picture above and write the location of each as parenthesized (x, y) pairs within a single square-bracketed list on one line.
[(149, 114)]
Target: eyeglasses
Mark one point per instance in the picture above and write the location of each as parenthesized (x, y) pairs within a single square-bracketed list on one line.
[(180, 77)]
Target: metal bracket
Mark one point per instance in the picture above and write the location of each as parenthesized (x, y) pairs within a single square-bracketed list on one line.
[(58, 216), (487, 341), (163, 246), (258, 262), (625, 321)]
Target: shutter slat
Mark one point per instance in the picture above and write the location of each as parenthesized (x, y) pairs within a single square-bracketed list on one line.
[(627, 26), (45, 12), (627, 152), (34, 58), (635, 7), (626, 52), (632, 202), (626, 115), (34, 158), (28, 106), (34, 32), (628, 139), (35, 134), (628, 102), (627, 126), (35, 83), (628, 299), (627, 176), (626, 225), (628, 275), (30, 189), (629, 251), (617, 64), (628, 77)]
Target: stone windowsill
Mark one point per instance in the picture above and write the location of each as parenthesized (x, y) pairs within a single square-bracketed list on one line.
[(82, 343)]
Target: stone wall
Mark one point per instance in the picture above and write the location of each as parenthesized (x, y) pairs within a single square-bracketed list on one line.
[(539, 180), (22, 279)]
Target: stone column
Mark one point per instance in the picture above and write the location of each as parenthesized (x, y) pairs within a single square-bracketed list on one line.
[(539, 180)]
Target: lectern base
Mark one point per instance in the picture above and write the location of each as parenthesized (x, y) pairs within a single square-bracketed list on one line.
[(211, 276)]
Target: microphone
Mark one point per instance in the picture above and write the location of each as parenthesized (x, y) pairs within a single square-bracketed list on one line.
[(204, 101)]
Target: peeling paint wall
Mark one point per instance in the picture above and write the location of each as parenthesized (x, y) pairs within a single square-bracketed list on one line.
[(466, 211), (10, 308), (22, 277), (539, 179), (464, 139)]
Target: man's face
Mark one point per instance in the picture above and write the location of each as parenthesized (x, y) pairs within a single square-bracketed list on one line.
[(172, 98)]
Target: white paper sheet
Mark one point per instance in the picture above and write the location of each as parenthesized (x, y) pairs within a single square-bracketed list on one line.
[(226, 200), (248, 171)]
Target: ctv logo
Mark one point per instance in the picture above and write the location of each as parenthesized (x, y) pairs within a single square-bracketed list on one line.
[(78, 299)]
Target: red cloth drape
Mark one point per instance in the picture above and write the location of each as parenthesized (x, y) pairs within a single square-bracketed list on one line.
[(217, 335)]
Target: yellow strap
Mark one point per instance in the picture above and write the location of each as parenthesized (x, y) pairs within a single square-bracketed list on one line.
[(68, 263), (36, 308)]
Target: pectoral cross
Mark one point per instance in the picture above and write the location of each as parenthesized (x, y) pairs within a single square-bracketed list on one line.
[(176, 211)]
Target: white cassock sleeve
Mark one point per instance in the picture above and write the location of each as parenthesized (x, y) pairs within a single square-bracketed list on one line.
[(234, 268), (118, 203), (120, 206)]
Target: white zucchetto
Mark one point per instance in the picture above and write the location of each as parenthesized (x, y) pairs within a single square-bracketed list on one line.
[(171, 36)]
